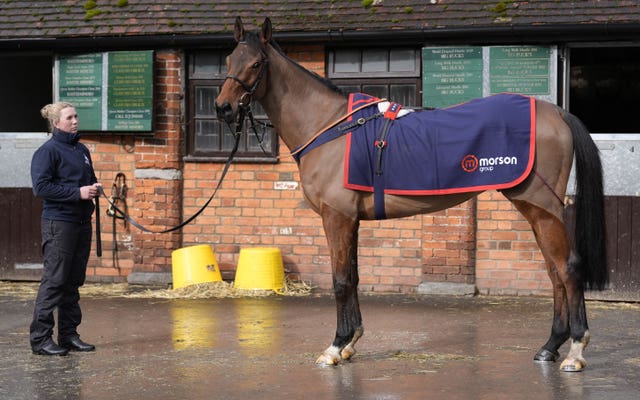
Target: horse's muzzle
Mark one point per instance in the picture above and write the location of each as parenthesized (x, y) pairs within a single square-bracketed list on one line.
[(225, 112)]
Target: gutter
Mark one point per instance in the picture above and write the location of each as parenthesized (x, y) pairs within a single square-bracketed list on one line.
[(470, 35), (480, 35)]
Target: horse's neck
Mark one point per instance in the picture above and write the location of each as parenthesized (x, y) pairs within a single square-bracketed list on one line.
[(297, 103)]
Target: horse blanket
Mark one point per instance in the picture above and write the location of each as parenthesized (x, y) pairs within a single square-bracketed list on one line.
[(483, 144)]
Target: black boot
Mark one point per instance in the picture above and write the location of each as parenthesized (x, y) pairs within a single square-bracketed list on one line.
[(75, 344), (51, 349)]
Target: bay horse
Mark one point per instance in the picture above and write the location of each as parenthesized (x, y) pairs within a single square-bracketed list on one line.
[(300, 103)]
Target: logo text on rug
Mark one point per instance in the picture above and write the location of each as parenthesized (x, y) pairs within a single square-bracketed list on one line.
[(471, 163)]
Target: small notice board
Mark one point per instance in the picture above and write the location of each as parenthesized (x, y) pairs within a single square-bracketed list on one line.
[(451, 75), (112, 91)]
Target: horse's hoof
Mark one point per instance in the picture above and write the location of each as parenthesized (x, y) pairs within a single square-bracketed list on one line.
[(347, 353), (572, 366), (331, 356), (545, 355), (326, 360)]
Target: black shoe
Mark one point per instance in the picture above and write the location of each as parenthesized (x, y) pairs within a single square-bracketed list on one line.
[(75, 344), (51, 349)]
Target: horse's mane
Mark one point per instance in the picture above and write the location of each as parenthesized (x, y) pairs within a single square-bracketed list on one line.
[(252, 37)]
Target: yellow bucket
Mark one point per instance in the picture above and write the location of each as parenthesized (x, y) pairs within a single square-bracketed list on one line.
[(260, 268), (194, 264)]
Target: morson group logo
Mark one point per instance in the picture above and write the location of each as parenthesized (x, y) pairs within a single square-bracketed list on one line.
[(471, 163)]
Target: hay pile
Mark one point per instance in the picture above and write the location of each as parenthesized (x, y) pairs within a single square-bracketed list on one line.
[(222, 290), (199, 291)]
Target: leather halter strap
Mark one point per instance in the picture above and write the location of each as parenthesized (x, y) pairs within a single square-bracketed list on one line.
[(245, 99), (332, 124)]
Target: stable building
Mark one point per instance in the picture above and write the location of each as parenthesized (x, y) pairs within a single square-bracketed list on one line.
[(144, 75)]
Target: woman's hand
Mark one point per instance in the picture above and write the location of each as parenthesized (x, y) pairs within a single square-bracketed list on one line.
[(89, 192)]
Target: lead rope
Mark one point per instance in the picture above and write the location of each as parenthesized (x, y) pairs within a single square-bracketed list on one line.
[(98, 237), (265, 125), (133, 222)]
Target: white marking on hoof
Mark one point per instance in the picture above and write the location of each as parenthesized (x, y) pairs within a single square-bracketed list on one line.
[(573, 365), (575, 362), (331, 356)]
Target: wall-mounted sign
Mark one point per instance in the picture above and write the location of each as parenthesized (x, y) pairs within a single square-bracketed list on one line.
[(519, 69), (112, 91), (80, 82), (451, 75)]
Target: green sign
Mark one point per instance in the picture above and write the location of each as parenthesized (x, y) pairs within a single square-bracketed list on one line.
[(80, 83), (111, 91), (519, 69), (451, 75)]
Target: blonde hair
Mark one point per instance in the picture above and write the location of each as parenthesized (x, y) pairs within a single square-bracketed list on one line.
[(51, 112)]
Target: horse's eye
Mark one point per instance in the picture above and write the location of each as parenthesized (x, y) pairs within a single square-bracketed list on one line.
[(256, 65)]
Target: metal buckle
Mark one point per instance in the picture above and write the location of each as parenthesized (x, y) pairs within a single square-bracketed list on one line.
[(245, 97)]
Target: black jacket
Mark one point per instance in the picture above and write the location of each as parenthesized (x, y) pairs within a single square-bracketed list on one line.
[(58, 169)]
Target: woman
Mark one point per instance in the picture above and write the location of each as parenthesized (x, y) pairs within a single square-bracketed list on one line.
[(63, 177)]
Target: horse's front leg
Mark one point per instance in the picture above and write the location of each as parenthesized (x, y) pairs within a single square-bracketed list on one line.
[(342, 237)]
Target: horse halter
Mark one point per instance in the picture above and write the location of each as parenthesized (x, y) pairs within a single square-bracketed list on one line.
[(244, 103), (245, 99)]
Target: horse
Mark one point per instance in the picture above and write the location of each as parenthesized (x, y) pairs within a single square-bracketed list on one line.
[(292, 97)]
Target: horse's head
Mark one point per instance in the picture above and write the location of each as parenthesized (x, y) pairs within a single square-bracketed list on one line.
[(246, 68)]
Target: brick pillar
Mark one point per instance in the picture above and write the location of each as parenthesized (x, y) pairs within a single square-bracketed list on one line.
[(449, 251), (158, 175), (509, 261)]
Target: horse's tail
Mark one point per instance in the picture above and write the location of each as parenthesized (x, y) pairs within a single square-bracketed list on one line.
[(590, 235)]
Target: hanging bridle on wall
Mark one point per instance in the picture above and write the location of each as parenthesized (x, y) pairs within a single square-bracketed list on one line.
[(118, 197)]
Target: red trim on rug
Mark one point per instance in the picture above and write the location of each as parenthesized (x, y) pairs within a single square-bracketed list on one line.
[(481, 188)]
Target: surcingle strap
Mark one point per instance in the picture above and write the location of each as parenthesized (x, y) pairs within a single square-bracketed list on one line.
[(357, 123), (328, 133), (378, 178)]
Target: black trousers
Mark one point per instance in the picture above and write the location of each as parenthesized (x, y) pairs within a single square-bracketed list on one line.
[(65, 247)]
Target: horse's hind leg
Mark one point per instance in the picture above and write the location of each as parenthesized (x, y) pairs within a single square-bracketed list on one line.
[(569, 319), (342, 237)]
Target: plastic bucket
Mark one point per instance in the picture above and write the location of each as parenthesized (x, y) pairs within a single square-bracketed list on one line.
[(194, 264), (260, 268)]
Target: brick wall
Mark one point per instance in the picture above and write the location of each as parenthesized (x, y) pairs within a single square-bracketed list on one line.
[(158, 175), (449, 245), (262, 205), (152, 165), (110, 155), (508, 260)]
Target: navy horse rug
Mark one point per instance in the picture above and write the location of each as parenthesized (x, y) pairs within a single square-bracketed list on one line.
[(483, 144)]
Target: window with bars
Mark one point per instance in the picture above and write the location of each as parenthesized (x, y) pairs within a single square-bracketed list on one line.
[(393, 74), (210, 139)]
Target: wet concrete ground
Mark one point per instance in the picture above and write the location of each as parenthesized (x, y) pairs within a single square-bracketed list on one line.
[(414, 347)]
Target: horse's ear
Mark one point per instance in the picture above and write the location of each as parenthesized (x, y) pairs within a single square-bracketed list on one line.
[(265, 34), (238, 32)]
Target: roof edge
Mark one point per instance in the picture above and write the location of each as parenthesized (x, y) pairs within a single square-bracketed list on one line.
[(470, 35)]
